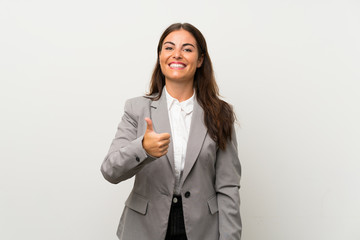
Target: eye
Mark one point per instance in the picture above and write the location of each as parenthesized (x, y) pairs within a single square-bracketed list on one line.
[(168, 48), (188, 50)]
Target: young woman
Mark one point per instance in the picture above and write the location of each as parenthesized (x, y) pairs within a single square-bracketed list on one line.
[(179, 143)]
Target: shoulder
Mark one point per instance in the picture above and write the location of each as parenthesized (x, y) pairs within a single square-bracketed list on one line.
[(226, 103), (141, 100), (137, 106), (132, 104), (226, 108)]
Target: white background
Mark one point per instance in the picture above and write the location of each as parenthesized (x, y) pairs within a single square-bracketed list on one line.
[(290, 68)]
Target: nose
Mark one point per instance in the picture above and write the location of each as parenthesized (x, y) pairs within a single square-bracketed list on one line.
[(177, 54)]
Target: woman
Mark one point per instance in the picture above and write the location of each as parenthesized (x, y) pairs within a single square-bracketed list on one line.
[(179, 142)]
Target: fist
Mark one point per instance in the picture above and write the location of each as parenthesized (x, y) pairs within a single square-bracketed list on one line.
[(155, 144)]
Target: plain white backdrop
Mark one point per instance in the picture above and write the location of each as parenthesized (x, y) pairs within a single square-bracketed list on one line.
[(290, 68)]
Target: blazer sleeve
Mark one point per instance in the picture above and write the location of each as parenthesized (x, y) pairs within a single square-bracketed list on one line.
[(227, 184), (126, 155)]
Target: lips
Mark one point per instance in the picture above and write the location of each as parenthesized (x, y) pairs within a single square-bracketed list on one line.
[(177, 65)]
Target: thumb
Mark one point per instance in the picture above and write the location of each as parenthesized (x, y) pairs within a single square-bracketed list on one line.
[(149, 125)]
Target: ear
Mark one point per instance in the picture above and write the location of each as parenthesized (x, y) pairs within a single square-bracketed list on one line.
[(200, 60)]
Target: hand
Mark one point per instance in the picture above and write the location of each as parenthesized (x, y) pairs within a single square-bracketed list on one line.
[(155, 144)]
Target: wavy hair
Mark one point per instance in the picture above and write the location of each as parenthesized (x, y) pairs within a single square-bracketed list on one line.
[(218, 115)]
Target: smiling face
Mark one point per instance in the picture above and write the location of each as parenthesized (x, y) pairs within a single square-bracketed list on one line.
[(179, 57)]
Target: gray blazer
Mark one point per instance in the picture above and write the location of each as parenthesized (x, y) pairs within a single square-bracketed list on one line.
[(209, 183)]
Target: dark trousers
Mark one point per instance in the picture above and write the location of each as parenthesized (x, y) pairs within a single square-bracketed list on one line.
[(176, 225)]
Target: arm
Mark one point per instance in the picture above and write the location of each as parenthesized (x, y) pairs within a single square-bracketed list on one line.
[(227, 184), (126, 155)]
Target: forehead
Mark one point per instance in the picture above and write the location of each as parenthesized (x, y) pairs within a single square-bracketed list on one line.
[(180, 36)]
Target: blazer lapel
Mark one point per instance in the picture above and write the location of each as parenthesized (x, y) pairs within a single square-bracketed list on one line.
[(160, 118), (197, 135)]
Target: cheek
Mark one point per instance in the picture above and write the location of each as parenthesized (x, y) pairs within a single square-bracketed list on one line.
[(163, 58), (162, 63), (195, 61)]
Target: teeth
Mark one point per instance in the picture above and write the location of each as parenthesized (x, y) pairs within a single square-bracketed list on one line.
[(176, 65)]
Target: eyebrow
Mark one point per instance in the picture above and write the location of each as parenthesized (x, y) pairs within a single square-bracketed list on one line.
[(184, 45)]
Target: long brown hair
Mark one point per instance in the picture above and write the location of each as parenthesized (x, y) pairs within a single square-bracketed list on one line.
[(218, 115)]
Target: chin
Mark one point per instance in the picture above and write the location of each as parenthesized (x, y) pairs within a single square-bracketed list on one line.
[(176, 78)]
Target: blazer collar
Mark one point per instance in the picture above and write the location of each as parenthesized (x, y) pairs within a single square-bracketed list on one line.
[(160, 117), (197, 135), (161, 124)]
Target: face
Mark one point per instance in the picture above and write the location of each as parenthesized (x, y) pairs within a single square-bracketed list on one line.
[(179, 56)]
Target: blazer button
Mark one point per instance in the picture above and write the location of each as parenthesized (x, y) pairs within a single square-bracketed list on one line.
[(187, 194), (137, 159)]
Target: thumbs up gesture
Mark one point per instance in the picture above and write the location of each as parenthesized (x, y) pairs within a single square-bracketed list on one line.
[(155, 144)]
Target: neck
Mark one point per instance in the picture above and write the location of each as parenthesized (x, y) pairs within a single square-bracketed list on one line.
[(181, 91)]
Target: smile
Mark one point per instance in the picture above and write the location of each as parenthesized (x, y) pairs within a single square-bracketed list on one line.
[(177, 65)]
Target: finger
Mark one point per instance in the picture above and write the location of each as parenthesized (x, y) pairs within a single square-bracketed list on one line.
[(164, 152), (149, 125), (164, 142), (164, 145), (164, 136), (164, 148)]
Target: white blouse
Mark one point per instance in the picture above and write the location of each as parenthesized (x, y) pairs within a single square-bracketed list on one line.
[(180, 114)]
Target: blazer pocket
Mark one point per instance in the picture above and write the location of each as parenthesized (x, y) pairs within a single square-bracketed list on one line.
[(137, 203), (213, 205)]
